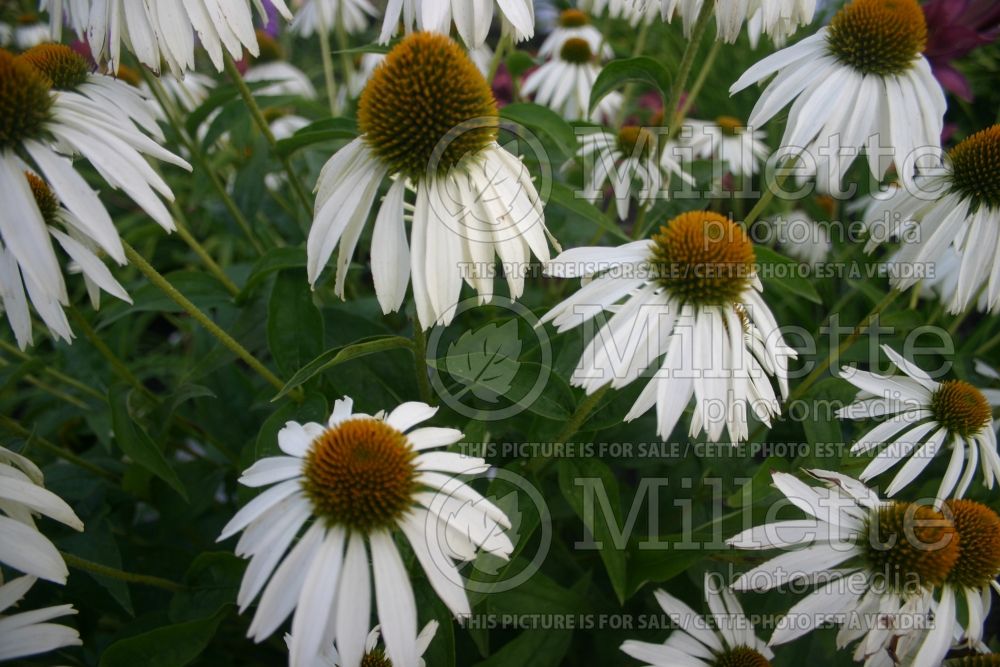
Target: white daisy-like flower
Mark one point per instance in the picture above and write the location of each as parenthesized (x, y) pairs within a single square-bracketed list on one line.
[(354, 485), (624, 159), (57, 110), (877, 566), (429, 122), (802, 238), (860, 82), (22, 545), (187, 92), (29, 633), (374, 656), (741, 149), (283, 78), (563, 84), (30, 31), (472, 18), (633, 11), (575, 24), (957, 209), (776, 18), (692, 297), (167, 31), (923, 418), (73, 13), (315, 15), (726, 637)]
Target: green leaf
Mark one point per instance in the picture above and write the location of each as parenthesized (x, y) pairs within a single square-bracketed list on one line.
[(276, 259), (339, 355), (212, 581), (486, 359), (784, 273), (659, 565), (294, 323), (641, 69), (136, 444), (169, 646), (532, 648), (329, 129), (565, 198), (595, 518), (519, 62), (541, 119)]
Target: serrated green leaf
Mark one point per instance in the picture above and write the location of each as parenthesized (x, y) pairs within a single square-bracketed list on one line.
[(294, 323), (133, 440), (168, 646), (339, 355), (641, 69), (780, 271), (486, 359), (595, 518)]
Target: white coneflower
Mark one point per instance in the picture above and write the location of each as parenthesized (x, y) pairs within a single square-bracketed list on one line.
[(923, 417), (22, 546), (633, 11), (802, 238), (860, 82), (374, 656), (692, 297), (739, 148), (315, 15), (429, 122), (187, 92), (355, 484), (776, 18), (472, 19), (575, 24), (73, 13), (875, 565), (29, 31), (57, 109), (29, 633), (166, 31), (623, 159), (726, 638), (958, 209), (563, 84), (283, 77)]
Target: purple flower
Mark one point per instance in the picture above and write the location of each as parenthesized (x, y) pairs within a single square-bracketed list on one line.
[(955, 28), (273, 19)]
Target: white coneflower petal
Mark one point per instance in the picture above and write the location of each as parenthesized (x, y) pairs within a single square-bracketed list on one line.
[(923, 417), (691, 299), (356, 483), (859, 81), (30, 633), (473, 200)]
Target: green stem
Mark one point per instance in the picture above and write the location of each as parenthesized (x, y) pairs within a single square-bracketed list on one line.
[(56, 374), (199, 316), (420, 362), (265, 129), (629, 92), (114, 573), (343, 44), (768, 195), (505, 42), (988, 345), (327, 57), (49, 389), (573, 426), (670, 111), (698, 84), (581, 414), (200, 160), (62, 452), (861, 328), (117, 365), (182, 231)]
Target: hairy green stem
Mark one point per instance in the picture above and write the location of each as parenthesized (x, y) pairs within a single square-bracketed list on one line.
[(670, 112), (200, 160), (130, 577), (199, 316), (62, 452), (327, 57), (258, 118)]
